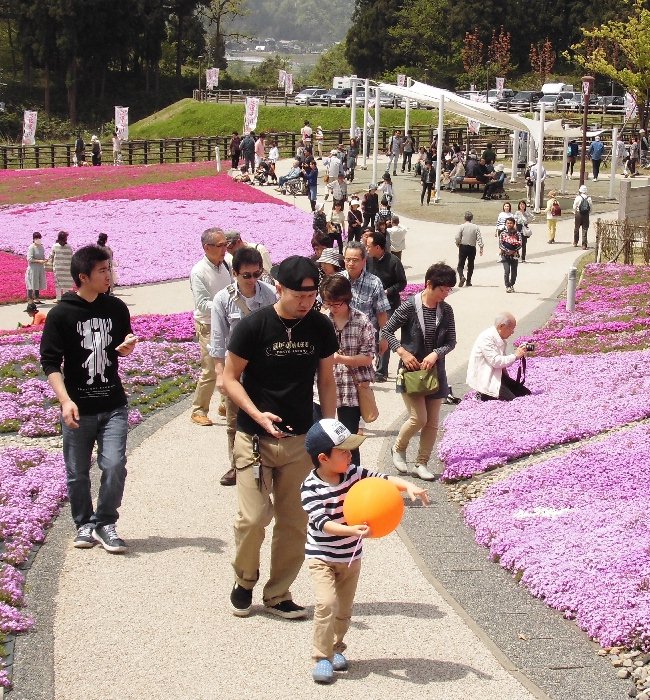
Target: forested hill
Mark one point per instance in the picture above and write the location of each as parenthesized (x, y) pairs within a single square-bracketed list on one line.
[(306, 20)]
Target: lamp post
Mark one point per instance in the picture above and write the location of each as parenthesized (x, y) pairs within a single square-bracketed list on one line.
[(487, 83), (587, 82), (200, 59)]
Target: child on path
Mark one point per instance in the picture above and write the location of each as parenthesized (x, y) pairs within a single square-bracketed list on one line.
[(333, 550), (553, 214)]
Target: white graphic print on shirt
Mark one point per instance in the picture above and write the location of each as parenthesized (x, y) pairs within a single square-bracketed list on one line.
[(95, 337)]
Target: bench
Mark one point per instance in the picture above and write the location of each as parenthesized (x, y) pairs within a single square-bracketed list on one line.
[(471, 182)]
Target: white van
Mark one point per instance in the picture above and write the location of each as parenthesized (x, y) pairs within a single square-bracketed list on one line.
[(556, 88)]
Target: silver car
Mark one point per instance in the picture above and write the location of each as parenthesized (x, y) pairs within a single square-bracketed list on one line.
[(306, 96)]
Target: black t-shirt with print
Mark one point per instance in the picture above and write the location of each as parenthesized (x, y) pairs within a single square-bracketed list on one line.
[(279, 376)]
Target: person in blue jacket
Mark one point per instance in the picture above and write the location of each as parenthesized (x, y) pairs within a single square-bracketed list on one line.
[(595, 153)]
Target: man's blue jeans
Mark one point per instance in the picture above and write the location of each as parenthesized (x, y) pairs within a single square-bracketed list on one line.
[(109, 431)]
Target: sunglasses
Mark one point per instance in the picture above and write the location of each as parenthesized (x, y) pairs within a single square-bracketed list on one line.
[(248, 275)]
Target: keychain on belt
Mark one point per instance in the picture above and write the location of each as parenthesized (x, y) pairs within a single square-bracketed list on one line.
[(257, 464)]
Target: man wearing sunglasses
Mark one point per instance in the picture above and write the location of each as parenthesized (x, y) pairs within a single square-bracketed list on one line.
[(245, 295)]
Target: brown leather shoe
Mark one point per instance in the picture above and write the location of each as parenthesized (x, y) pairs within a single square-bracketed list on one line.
[(200, 419), (229, 478)]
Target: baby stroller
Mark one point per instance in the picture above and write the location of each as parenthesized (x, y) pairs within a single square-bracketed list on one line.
[(265, 173)]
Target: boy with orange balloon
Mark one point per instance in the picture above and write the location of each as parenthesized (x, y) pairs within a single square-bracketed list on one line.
[(337, 522)]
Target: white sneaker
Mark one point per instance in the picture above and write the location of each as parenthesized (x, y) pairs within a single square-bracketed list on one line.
[(423, 473), (399, 461)]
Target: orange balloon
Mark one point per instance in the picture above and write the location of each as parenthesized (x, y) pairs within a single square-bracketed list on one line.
[(375, 502)]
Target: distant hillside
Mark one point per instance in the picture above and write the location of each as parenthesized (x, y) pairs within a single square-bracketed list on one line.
[(307, 20)]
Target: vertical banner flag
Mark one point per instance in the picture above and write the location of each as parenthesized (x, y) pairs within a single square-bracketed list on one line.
[(585, 87), (122, 122), (473, 126), (288, 84), (211, 78), (630, 106), (282, 78), (250, 117), (29, 128), (500, 83), (401, 80)]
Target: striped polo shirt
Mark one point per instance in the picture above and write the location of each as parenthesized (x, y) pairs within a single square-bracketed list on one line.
[(323, 503)]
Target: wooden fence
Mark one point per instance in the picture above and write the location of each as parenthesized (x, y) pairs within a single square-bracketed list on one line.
[(623, 241), (185, 150)]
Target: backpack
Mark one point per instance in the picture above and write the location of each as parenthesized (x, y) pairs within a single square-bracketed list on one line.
[(556, 209), (584, 207)]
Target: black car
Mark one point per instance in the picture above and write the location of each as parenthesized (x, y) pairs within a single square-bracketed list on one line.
[(524, 101), (612, 105), (335, 97)]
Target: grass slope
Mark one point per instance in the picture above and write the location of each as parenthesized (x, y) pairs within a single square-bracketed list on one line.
[(190, 118)]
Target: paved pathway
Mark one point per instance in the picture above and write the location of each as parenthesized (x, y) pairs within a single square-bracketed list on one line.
[(155, 623)]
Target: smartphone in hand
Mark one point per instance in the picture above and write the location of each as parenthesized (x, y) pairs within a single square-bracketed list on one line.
[(127, 343)]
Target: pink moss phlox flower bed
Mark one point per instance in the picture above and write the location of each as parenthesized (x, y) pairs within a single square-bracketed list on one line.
[(219, 188), (157, 240), (574, 397), (576, 527), (12, 279), (410, 290), (32, 488), (612, 313)]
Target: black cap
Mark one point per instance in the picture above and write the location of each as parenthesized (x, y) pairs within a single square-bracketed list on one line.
[(294, 270), (31, 308)]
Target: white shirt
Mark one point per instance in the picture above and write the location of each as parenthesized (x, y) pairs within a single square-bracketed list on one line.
[(487, 360), (274, 154), (206, 280), (577, 200), (266, 258), (397, 238)]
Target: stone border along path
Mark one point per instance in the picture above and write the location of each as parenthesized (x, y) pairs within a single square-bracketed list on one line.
[(155, 622)]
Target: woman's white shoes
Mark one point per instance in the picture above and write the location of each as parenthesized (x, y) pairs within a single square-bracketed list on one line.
[(422, 472), (399, 461)]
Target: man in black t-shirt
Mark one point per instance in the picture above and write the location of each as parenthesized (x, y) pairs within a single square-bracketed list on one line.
[(86, 332), (273, 356)]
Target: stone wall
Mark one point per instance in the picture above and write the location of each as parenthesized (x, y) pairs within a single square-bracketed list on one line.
[(634, 201)]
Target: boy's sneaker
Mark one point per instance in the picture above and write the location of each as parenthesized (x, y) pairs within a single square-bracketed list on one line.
[(339, 662), (323, 672), (107, 536), (84, 538), (240, 600), (288, 610)]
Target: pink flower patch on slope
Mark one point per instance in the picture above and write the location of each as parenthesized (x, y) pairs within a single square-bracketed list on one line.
[(12, 279), (157, 240), (577, 527), (574, 396), (218, 188)]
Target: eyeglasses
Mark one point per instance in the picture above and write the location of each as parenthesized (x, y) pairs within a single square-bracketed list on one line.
[(352, 261), (247, 275), (216, 245)]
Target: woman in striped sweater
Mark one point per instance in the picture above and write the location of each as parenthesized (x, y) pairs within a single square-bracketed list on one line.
[(428, 335), (60, 259)]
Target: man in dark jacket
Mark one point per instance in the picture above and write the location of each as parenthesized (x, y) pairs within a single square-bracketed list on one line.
[(83, 337), (247, 147), (389, 269)]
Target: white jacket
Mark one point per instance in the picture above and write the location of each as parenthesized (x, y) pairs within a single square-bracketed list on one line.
[(487, 361)]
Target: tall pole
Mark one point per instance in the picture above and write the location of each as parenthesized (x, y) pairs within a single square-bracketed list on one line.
[(540, 161), (353, 111), (515, 155), (200, 59), (587, 82), (375, 139), (565, 158), (441, 122), (365, 123), (407, 111)]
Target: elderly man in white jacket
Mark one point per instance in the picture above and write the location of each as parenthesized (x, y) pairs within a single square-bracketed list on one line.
[(488, 360)]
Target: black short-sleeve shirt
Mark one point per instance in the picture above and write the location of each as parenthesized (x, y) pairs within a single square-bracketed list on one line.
[(279, 376)]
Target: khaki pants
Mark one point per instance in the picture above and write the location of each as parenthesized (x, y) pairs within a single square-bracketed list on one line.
[(231, 426), (334, 588), (208, 379), (552, 225), (423, 417), (285, 464)]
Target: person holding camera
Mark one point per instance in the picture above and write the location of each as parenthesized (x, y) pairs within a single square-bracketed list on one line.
[(488, 360)]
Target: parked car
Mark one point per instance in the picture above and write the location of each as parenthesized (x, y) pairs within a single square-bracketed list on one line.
[(552, 103), (361, 98), (494, 96), (334, 97), (612, 104), (308, 95), (524, 101), (593, 103)]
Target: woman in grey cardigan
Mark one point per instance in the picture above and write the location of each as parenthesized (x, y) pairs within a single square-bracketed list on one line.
[(35, 274), (428, 334), (61, 257)]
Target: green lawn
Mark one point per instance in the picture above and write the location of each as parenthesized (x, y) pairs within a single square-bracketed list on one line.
[(190, 118)]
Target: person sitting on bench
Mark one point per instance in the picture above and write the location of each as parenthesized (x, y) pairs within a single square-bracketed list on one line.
[(496, 184)]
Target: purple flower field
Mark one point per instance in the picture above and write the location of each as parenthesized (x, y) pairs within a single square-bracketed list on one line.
[(577, 528), (574, 397)]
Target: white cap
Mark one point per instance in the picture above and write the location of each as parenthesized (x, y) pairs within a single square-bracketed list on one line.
[(354, 202), (582, 189)]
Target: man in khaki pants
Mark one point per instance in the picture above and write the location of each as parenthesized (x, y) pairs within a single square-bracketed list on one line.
[(209, 276), (273, 356)]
